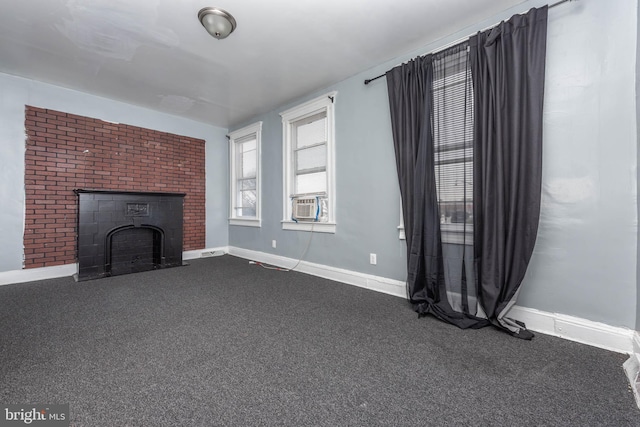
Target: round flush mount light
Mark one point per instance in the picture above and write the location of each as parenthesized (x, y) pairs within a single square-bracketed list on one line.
[(219, 23)]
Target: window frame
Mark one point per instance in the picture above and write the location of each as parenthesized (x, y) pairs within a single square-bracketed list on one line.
[(237, 137), (322, 104)]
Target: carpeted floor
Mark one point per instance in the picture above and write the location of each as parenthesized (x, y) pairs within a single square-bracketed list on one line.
[(225, 343)]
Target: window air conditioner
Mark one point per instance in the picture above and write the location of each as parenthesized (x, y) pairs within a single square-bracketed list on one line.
[(305, 209)]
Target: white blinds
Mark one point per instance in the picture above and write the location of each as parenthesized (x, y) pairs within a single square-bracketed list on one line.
[(453, 134)]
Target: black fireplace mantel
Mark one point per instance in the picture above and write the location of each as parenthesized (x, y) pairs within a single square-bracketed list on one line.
[(122, 232), (131, 193)]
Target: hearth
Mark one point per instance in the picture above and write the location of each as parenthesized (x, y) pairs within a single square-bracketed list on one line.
[(121, 232)]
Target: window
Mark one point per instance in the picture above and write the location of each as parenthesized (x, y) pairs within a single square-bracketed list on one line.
[(308, 156), (244, 154), (453, 139)]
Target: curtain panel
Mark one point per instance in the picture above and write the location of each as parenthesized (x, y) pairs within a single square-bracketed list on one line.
[(506, 67), (410, 89)]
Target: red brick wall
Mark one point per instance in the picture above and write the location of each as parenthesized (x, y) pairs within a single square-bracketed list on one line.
[(65, 152)]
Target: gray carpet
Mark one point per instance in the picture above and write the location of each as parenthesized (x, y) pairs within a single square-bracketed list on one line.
[(225, 343)]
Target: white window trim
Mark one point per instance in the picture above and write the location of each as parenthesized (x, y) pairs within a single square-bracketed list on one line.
[(255, 128), (401, 233), (322, 103)]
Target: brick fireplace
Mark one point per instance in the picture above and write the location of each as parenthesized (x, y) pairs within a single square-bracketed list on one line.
[(65, 152)]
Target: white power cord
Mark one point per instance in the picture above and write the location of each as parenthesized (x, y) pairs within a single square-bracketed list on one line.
[(270, 267)]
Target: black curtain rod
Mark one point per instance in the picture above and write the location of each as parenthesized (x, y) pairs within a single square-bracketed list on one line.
[(367, 81)]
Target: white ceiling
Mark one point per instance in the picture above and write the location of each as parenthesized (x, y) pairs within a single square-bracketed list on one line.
[(155, 53)]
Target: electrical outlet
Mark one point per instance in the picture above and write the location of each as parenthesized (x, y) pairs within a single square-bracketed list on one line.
[(373, 259), (273, 244)]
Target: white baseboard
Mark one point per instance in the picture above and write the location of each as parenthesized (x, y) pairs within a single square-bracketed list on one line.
[(31, 274), (205, 253), (376, 283), (575, 329)]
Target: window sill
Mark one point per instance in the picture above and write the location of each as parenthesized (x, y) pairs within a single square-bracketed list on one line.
[(316, 227), (246, 222)]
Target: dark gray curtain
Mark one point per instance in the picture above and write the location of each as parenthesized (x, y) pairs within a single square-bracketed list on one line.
[(410, 97), (507, 64)]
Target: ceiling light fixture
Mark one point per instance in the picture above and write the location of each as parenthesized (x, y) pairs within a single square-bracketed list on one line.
[(219, 23)]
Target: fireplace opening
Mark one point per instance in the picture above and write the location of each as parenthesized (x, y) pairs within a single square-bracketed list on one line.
[(131, 249)]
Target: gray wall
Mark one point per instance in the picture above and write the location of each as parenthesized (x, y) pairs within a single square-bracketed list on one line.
[(637, 87), (584, 263), (585, 257), (368, 199), (17, 92)]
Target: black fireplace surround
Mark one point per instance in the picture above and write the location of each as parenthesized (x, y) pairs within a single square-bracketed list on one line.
[(121, 232)]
